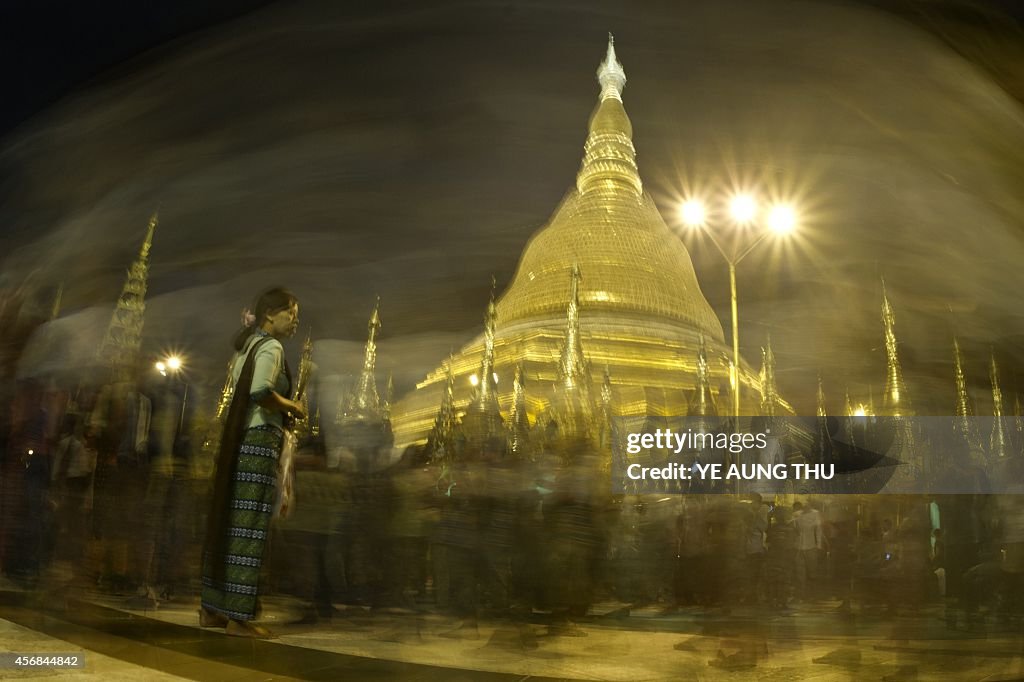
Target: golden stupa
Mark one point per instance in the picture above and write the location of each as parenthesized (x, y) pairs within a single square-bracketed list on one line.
[(641, 313)]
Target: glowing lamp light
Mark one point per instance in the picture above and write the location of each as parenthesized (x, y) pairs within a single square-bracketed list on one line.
[(860, 411), (692, 212), (782, 219), (161, 367), (174, 363), (743, 208), (473, 379)]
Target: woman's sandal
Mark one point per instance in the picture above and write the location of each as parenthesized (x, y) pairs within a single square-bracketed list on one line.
[(241, 628), (212, 619)]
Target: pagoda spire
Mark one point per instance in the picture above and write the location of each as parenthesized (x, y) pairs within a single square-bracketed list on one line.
[(964, 411), (610, 74), (365, 401), (823, 439), (119, 349), (607, 410), (822, 411), (895, 402), (769, 389), (1018, 426), (441, 440), (574, 403), (997, 442), (572, 365), (519, 421), (486, 399), (609, 160), (703, 402)]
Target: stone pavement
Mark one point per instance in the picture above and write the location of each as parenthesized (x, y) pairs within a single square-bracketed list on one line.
[(813, 642)]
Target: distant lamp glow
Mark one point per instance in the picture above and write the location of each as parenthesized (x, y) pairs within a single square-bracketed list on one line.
[(692, 212), (174, 363), (161, 367), (473, 379), (782, 219), (495, 375), (743, 208), (860, 411)]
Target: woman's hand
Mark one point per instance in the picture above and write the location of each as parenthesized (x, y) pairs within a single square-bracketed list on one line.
[(295, 409), (273, 401)]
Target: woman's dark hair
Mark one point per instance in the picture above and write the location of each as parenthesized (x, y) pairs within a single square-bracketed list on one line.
[(270, 302)]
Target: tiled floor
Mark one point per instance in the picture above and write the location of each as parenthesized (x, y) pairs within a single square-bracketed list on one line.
[(811, 643), (98, 668)]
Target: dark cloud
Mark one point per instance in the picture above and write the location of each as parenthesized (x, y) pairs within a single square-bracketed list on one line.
[(412, 153)]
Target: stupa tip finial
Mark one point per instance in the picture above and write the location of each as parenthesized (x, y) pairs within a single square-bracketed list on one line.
[(610, 74)]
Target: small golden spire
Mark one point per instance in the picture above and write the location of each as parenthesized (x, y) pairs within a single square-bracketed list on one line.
[(895, 402), (572, 365), (486, 399), (769, 389), (119, 349), (573, 405), (963, 402), (703, 404), (441, 440), (997, 442), (822, 410), (519, 420), (365, 402)]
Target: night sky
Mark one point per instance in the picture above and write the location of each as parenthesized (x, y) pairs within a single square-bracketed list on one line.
[(411, 150)]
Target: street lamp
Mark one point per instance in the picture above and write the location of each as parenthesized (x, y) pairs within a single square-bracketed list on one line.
[(174, 365), (780, 219)]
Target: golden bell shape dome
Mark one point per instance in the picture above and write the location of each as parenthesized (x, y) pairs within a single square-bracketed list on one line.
[(633, 299), (632, 262)]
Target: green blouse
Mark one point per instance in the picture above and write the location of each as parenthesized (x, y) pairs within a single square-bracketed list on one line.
[(268, 375)]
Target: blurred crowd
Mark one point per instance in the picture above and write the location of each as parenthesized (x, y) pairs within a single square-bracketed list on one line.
[(103, 489)]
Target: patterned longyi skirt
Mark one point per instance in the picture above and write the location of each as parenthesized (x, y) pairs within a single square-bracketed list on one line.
[(252, 505)]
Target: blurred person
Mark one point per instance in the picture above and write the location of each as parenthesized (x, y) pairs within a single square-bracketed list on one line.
[(809, 544), (572, 540), (914, 553), (841, 538), (412, 523), (780, 557), (165, 509), (692, 562), (247, 477), (26, 474), (938, 561), (120, 419), (756, 548), (74, 462), (304, 563), (458, 562)]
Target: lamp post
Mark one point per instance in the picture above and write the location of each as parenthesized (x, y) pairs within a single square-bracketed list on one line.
[(743, 208), (174, 365)]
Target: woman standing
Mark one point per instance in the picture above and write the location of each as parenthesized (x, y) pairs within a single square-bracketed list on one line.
[(245, 484)]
